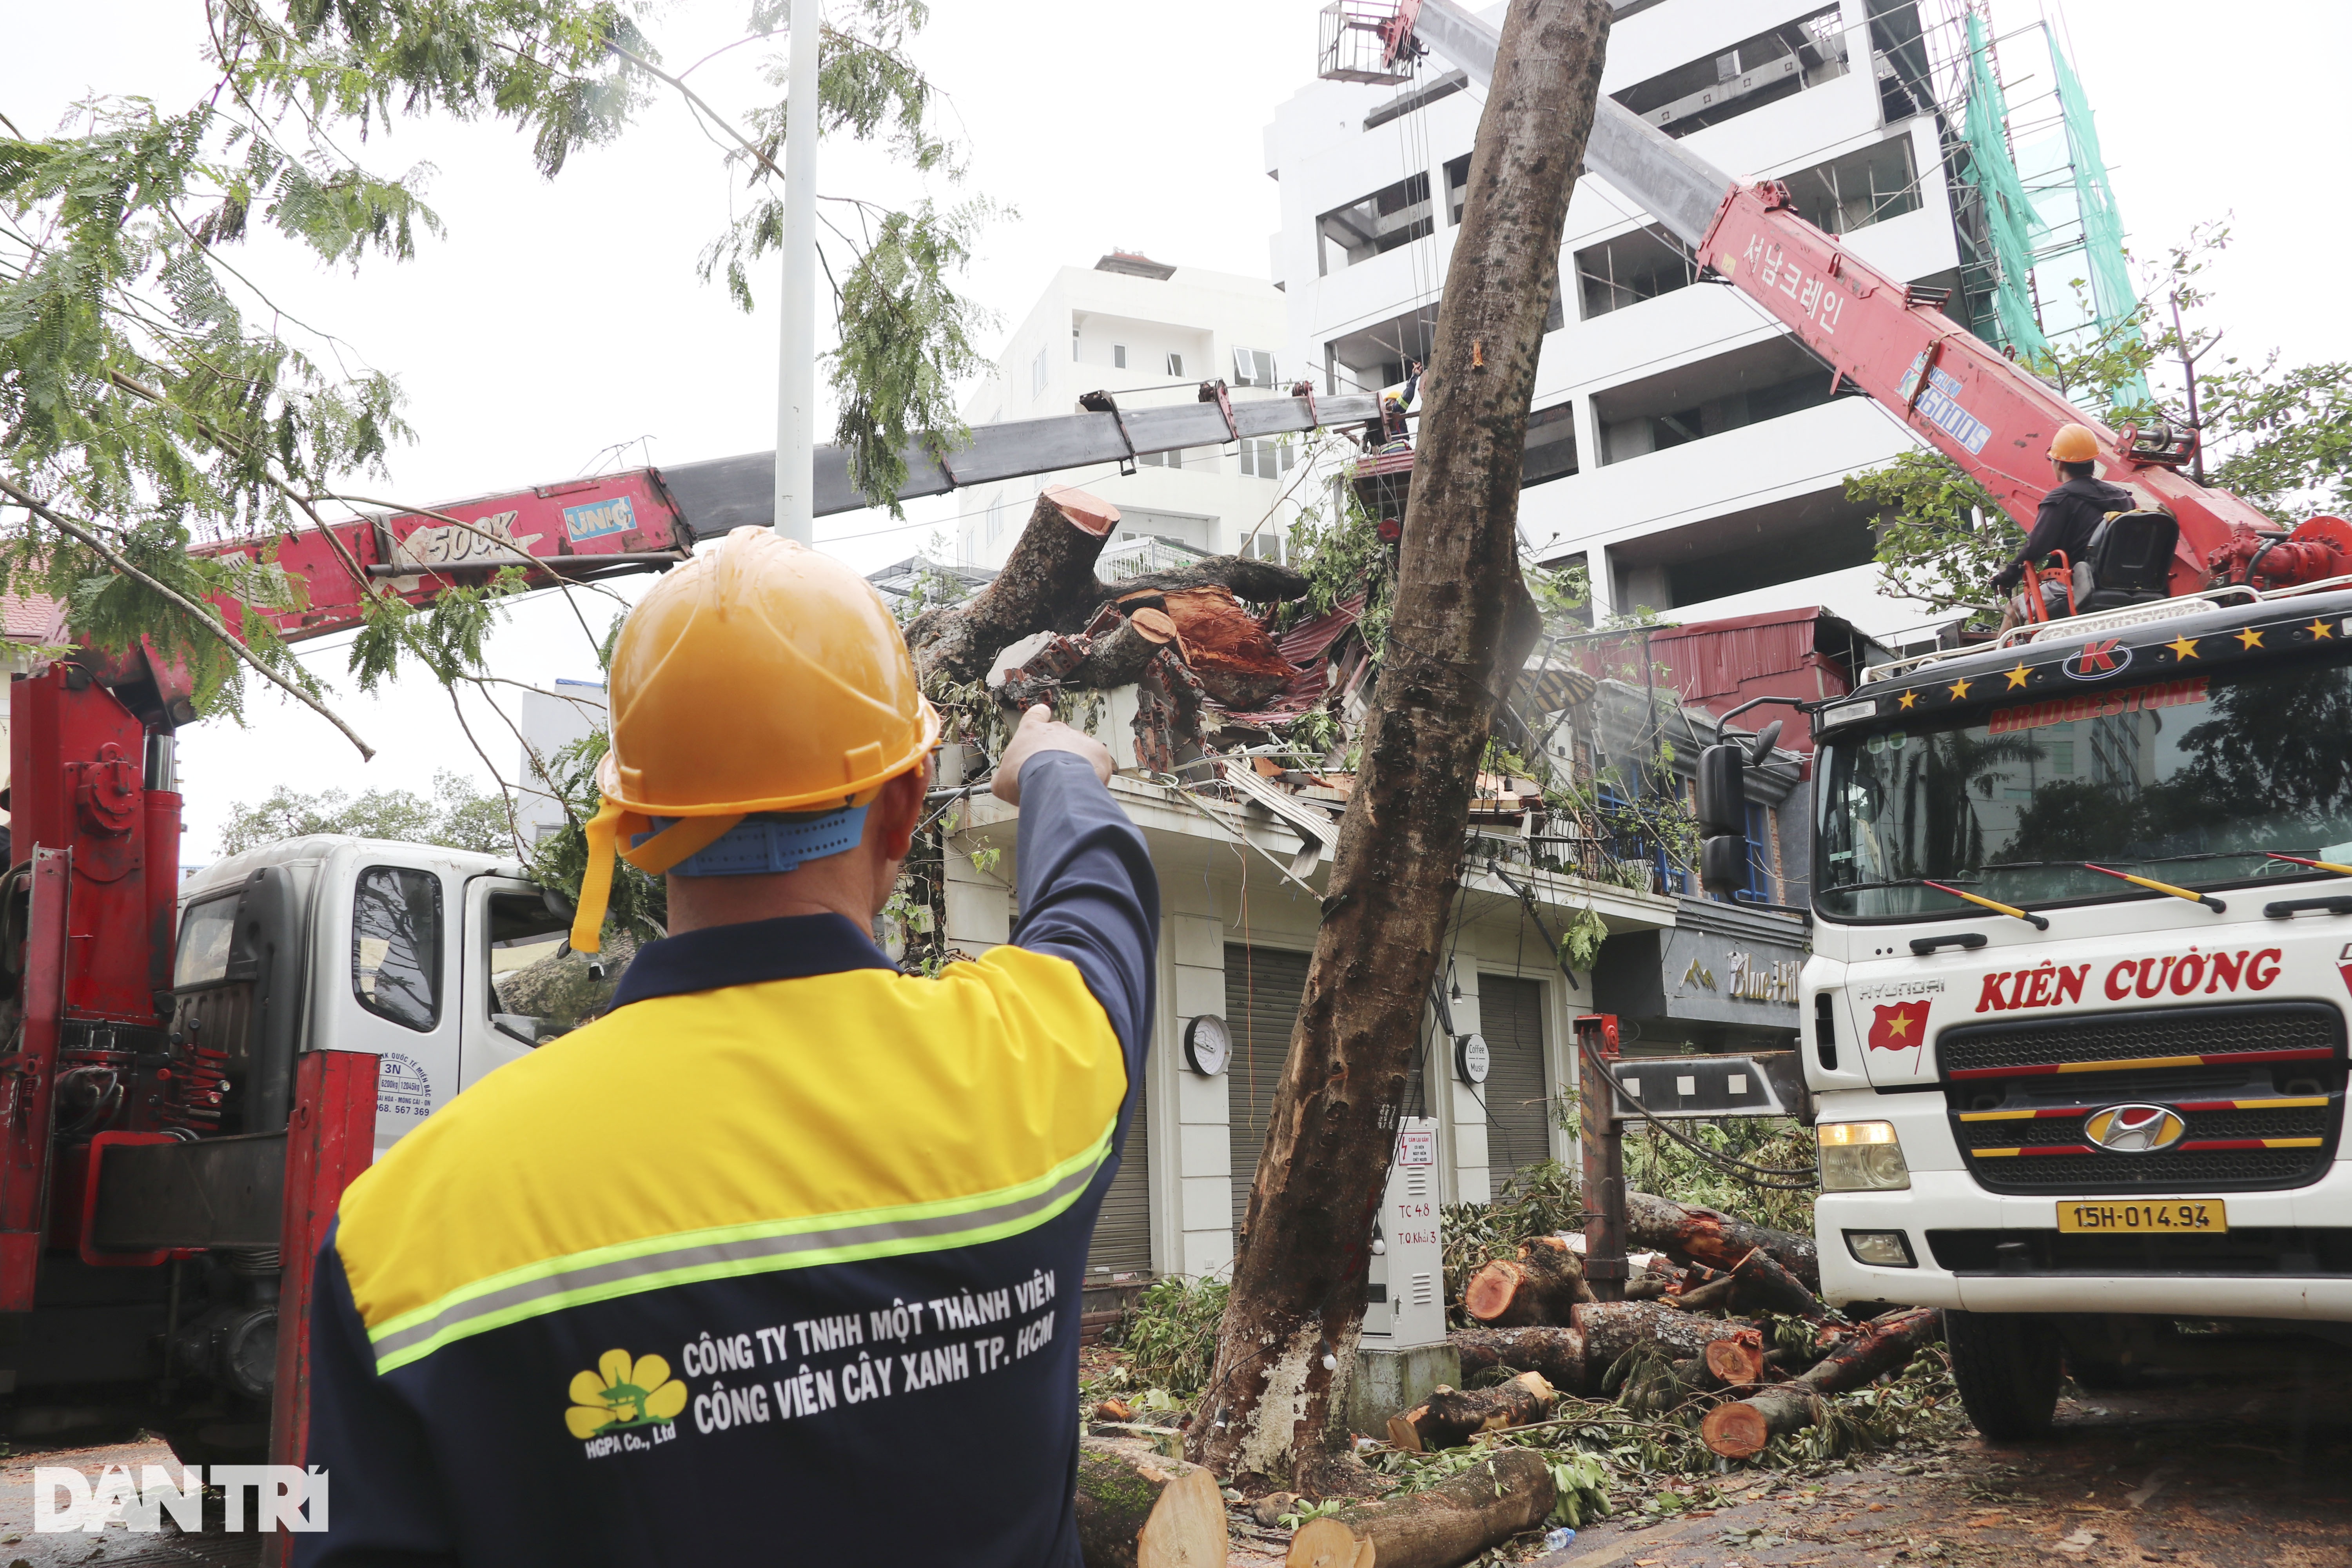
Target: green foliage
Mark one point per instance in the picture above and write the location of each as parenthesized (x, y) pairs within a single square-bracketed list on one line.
[(151, 394), (1171, 1333), (1656, 1163), (460, 815), (1932, 545), (1580, 943), (1341, 553)]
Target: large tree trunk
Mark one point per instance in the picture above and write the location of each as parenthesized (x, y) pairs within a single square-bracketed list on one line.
[(1613, 1328), (1442, 1528), (1689, 1234), (1450, 1416), (1747, 1427), (1558, 1353), (1139, 1510), (1462, 627)]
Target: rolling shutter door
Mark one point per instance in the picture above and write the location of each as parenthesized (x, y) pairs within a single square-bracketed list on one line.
[(1122, 1240), (1519, 1112), (1262, 988)]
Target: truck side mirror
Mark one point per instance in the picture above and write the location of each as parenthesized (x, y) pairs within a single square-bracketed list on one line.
[(1723, 863), (1722, 791), (1723, 819)]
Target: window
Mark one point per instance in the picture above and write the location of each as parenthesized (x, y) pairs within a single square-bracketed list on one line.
[(205, 936), (396, 945), (1037, 375), (1860, 189), (1265, 545), (1394, 216), (1175, 365), (1551, 444), (1760, 853), (1770, 66), (1631, 268), (1457, 186), (1118, 357), (1252, 367), (539, 988), (995, 519), (1170, 459), (1073, 345), (1265, 457)]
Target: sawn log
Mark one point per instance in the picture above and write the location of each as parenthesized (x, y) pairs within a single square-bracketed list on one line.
[(1449, 1417), (1140, 1510), (1558, 1353), (1746, 1427), (1613, 1328), (1445, 1526), (1690, 1234), (1542, 1284), (1759, 1284)]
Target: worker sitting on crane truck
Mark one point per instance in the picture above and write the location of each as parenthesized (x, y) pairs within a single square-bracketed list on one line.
[(784, 1215), (2063, 527)]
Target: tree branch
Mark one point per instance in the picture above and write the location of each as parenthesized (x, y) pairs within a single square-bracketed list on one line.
[(204, 613)]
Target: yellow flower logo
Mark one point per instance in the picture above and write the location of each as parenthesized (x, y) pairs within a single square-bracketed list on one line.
[(621, 1393)]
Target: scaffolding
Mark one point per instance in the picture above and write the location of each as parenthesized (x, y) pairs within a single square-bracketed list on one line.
[(2042, 265)]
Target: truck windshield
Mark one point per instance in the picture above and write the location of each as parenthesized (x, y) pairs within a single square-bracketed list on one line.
[(2189, 780)]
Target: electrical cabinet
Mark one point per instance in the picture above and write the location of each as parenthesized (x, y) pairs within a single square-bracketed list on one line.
[(1405, 1305)]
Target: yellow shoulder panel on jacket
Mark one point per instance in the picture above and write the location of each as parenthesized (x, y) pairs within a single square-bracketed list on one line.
[(778, 1125)]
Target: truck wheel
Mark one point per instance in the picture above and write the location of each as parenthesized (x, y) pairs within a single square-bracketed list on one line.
[(2007, 1366)]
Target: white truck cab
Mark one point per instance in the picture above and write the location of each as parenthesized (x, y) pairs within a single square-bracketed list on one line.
[(2076, 1016), (398, 950)]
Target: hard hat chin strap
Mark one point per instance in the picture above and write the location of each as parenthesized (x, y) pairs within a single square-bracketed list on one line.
[(726, 846)]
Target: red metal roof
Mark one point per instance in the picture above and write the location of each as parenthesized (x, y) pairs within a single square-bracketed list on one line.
[(32, 617)]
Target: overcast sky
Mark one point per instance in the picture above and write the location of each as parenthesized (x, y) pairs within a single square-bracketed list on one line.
[(556, 321)]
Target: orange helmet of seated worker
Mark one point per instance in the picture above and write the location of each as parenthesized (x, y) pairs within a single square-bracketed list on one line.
[(761, 697), (2073, 444)]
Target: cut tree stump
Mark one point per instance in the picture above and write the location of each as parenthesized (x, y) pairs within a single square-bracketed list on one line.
[(1442, 1528), (1760, 1285), (1048, 585), (1558, 1353), (1744, 1427), (1449, 1417), (1690, 1234), (1542, 1286), (1613, 1328), (1140, 1510), (1736, 1363)]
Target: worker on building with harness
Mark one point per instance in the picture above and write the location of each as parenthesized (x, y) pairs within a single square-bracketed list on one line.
[(2070, 515), (780, 1260)]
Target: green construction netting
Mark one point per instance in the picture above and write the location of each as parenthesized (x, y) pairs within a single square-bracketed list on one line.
[(2010, 221), (2103, 227)]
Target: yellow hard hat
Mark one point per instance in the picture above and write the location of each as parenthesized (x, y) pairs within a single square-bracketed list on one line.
[(761, 677), (2075, 444)]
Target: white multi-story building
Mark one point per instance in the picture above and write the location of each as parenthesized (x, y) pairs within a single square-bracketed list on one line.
[(1146, 334), (1682, 446)]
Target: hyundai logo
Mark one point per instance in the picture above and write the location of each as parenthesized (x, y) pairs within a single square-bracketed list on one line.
[(2135, 1128)]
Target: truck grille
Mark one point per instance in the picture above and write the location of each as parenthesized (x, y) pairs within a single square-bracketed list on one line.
[(2258, 1092)]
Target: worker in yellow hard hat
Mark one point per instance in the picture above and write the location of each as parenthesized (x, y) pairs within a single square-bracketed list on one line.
[(706, 1280), (2069, 514)]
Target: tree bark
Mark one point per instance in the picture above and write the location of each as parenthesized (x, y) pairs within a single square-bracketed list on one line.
[(1690, 1234), (1461, 629), (1449, 1417), (1542, 1286), (1558, 1353), (1143, 1512), (1259, 581), (1613, 1328), (1747, 1427), (1442, 1528), (1760, 1285)]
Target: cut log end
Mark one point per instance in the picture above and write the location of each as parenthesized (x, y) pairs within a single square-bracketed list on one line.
[(1146, 1512), (1327, 1543), (1735, 1364), (1450, 1524), (1494, 1290), (1737, 1430)]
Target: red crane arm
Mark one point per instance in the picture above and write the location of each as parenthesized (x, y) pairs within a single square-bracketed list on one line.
[(1986, 414), (572, 531)]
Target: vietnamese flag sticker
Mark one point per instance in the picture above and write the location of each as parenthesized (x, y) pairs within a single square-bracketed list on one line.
[(1901, 1027)]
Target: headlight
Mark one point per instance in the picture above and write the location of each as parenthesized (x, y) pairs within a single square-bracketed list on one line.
[(1862, 1157), (1881, 1248)]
